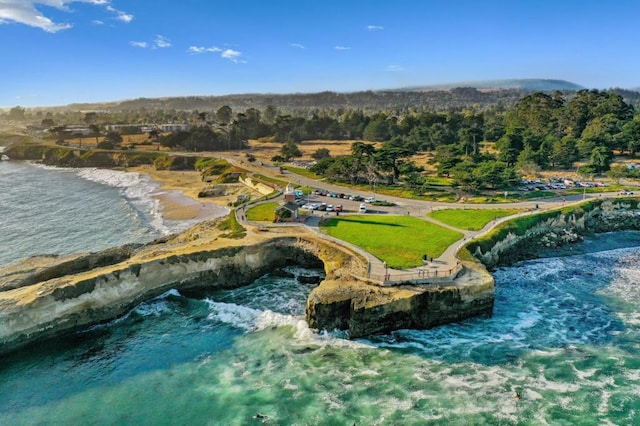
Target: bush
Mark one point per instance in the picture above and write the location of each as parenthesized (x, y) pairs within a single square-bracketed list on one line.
[(230, 224)]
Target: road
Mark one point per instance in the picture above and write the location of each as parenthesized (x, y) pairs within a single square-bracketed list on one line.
[(441, 266)]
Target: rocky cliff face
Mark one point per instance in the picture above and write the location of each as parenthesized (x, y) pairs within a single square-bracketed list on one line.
[(364, 309), (45, 297), (67, 302), (562, 229)]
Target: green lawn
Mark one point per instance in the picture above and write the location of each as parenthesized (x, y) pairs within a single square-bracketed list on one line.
[(471, 219), (399, 240), (302, 172), (264, 178), (263, 212)]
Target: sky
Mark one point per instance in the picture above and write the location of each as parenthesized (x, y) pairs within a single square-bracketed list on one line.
[(57, 52)]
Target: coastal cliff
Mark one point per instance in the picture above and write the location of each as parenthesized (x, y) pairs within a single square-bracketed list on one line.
[(527, 237), (363, 309), (46, 296)]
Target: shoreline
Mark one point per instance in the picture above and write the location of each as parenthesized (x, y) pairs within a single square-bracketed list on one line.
[(177, 193)]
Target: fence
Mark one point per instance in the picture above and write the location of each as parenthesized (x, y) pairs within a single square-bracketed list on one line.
[(417, 276)]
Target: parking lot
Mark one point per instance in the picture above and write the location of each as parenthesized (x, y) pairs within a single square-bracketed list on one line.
[(325, 202)]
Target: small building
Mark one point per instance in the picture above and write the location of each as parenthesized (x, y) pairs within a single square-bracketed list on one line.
[(288, 212), (289, 194), (174, 127)]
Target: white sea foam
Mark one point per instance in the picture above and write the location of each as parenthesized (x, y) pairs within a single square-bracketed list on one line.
[(138, 190), (236, 315)]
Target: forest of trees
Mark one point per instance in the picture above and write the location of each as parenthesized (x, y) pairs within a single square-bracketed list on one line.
[(478, 146)]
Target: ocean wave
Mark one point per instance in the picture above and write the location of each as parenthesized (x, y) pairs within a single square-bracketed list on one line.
[(138, 190)]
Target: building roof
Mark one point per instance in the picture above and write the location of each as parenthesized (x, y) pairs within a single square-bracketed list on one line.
[(289, 206)]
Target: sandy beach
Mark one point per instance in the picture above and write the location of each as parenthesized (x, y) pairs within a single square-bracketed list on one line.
[(178, 195)]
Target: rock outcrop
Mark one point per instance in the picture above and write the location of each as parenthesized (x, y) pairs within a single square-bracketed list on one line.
[(365, 309), (527, 237), (46, 296)]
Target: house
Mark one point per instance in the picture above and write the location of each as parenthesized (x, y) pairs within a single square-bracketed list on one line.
[(174, 127), (288, 212)]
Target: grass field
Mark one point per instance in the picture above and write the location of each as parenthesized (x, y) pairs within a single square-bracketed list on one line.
[(269, 179), (400, 241), (262, 212), (302, 172), (473, 220)]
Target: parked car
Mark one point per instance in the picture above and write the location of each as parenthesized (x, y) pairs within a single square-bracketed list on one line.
[(363, 208), (626, 192), (321, 207), (338, 208), (370, 200), (356, 198), (329, 207)]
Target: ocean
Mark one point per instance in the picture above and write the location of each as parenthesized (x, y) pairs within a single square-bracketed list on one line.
[(565, 336)]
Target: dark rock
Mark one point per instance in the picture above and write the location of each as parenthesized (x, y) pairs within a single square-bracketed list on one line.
[(309, 279), (281, 273)]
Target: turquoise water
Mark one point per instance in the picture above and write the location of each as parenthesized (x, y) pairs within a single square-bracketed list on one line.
[(565, 335)]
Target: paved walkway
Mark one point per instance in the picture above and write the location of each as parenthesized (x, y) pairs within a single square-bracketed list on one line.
[(444, 267)]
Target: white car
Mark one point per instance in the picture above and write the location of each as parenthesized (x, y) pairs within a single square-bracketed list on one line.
[(363, 208), (626, 192), (370, 200), (330, 207)]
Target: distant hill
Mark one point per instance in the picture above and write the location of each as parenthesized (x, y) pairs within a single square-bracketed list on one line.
[(288, 103), (527, 84), (480, 94)]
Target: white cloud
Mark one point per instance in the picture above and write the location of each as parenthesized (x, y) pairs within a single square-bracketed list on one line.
[(394, 68), (161, 42), (297, 45), (120, 15), (232, 55), (124, 17), (342, 48), (97, 22), (200, 49), (26, 12), (374, 27)]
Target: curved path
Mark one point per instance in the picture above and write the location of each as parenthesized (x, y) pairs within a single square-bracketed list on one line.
[(446, 266)]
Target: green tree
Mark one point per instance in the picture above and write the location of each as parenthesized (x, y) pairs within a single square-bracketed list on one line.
[(95, 131), (564, 152), (111, 140), (320, 154), (378, 129), (617, 172), (290, 150), (224, 114), (601, 158), (446, 157), (154, 135), (631, 135)]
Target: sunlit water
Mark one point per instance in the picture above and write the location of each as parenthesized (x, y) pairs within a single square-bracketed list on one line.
[(60, 211), (565, 335)]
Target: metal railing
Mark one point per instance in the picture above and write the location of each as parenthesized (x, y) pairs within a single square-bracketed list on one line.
[(419, 276)]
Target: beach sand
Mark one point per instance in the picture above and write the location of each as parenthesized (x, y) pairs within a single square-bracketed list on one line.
[(178, 195)]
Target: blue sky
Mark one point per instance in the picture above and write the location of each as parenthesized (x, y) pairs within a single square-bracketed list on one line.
[(56, 52)]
